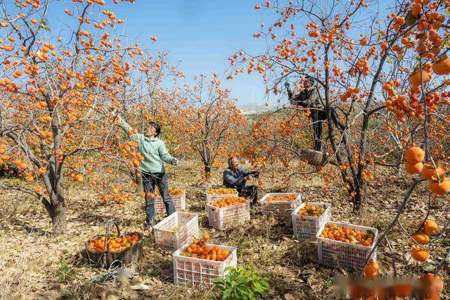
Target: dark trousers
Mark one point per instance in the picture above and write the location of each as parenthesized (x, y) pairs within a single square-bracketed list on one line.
[(150, 181), (250, 192)]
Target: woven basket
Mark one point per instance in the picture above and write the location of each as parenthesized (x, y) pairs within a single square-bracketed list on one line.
[(313, 157), (107, 258)]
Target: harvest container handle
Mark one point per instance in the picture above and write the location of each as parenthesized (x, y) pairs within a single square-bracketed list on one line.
[(108, 224), (107, 232)]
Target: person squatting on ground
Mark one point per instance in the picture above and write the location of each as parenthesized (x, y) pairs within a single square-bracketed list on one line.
[(152, 168), (236, 177)]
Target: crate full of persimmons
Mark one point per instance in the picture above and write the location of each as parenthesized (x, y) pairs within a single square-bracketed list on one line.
[(228, 212), (178, 196), (309, 218), (176, 230), (198, 264), (346, 245), (214, 193), (281, 205)]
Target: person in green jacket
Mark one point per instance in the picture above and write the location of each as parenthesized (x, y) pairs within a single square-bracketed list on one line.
[(152, 167)]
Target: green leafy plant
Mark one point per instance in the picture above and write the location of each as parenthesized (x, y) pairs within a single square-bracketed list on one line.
[(243, 284), (65, 271)]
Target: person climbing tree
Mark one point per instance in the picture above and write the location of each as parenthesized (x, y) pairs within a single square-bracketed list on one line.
[(308, 97)]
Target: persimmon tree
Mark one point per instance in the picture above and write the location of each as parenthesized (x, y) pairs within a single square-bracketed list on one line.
[(53, 92), (385, 81), (424, 118), (357, 56), (276, 139), (151, 98), (144, 100), (210, 122)]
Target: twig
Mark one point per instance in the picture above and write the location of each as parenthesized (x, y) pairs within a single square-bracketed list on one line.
[(394, 267)]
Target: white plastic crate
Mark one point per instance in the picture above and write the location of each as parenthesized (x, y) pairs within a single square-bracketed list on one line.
[(178, 201), (307, 227), (176, 230), (223, 218), (210, 198), (350, 257), (196, 272), (281, 210)]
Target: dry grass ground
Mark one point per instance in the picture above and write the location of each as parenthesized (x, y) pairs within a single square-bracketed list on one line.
[(37, 265)]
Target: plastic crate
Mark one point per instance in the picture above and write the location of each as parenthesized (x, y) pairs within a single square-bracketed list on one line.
[(307, 227), (178, 201), (350, 257), (176, 230), (281, 210), (223, 218), (210, 198), (196, 272)]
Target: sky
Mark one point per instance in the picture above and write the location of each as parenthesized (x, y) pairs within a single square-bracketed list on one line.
[(198, 35)]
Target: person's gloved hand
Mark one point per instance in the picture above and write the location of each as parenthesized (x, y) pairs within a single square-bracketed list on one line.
[(255, 173), (286, 84), (174, 161)]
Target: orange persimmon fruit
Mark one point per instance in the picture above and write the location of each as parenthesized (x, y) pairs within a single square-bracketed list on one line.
[(421, 238), (372, 269), (419, 254), (413, 168), (414, 154), (439, 187), (430, 227), (442, 66), (429, 171)]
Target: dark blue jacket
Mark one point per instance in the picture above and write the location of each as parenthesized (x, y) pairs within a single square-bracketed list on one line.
[(235, 179)]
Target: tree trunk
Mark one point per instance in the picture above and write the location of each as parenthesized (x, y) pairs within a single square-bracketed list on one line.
[(207, 168), (56, 209), (58, 215), (55, 204), (357, 198)]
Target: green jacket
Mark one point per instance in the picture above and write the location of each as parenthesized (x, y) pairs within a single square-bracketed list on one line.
[(153, 149)]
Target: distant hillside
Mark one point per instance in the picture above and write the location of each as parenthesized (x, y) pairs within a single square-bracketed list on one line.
[(256, 109)]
